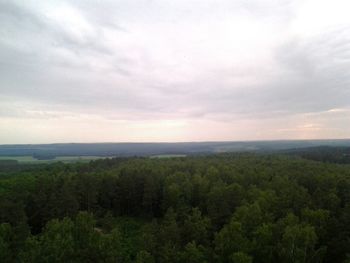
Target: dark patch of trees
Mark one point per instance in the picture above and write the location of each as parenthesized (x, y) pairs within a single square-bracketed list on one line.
[(323, 154)]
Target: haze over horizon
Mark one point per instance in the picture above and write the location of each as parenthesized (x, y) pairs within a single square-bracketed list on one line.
[(185, 70)]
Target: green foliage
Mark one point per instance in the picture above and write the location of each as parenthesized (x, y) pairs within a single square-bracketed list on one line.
[(241, 257), (196, 228), (55, 244), (6, 235), (229, 240), (193, 254), (221, 208), (144, 257)]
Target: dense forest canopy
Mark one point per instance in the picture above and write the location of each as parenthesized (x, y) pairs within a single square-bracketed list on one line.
[(240, 208)]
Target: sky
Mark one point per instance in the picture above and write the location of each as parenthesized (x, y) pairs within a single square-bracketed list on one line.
[(173, 70)]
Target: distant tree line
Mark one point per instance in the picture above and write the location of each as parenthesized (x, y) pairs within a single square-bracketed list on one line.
[(323, 154), (240, 208)]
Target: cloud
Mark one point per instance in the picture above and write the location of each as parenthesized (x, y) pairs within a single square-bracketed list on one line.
[(225, 62)]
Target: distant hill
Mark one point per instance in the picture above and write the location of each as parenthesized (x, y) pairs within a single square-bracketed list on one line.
[(49, 151)]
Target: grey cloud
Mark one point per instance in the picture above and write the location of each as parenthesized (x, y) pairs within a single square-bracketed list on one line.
[(318, 71), (27, 24), (308, 74), (13, 14)]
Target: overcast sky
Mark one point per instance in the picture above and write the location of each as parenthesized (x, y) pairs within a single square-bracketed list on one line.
[(174, 70)]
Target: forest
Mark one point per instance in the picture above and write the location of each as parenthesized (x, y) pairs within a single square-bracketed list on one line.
[(240, 208)]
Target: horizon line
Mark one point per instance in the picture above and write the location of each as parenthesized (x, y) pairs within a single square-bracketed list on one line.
[(179, 142)]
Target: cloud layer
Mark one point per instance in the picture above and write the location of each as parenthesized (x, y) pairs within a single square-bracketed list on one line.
[(162, 70)]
